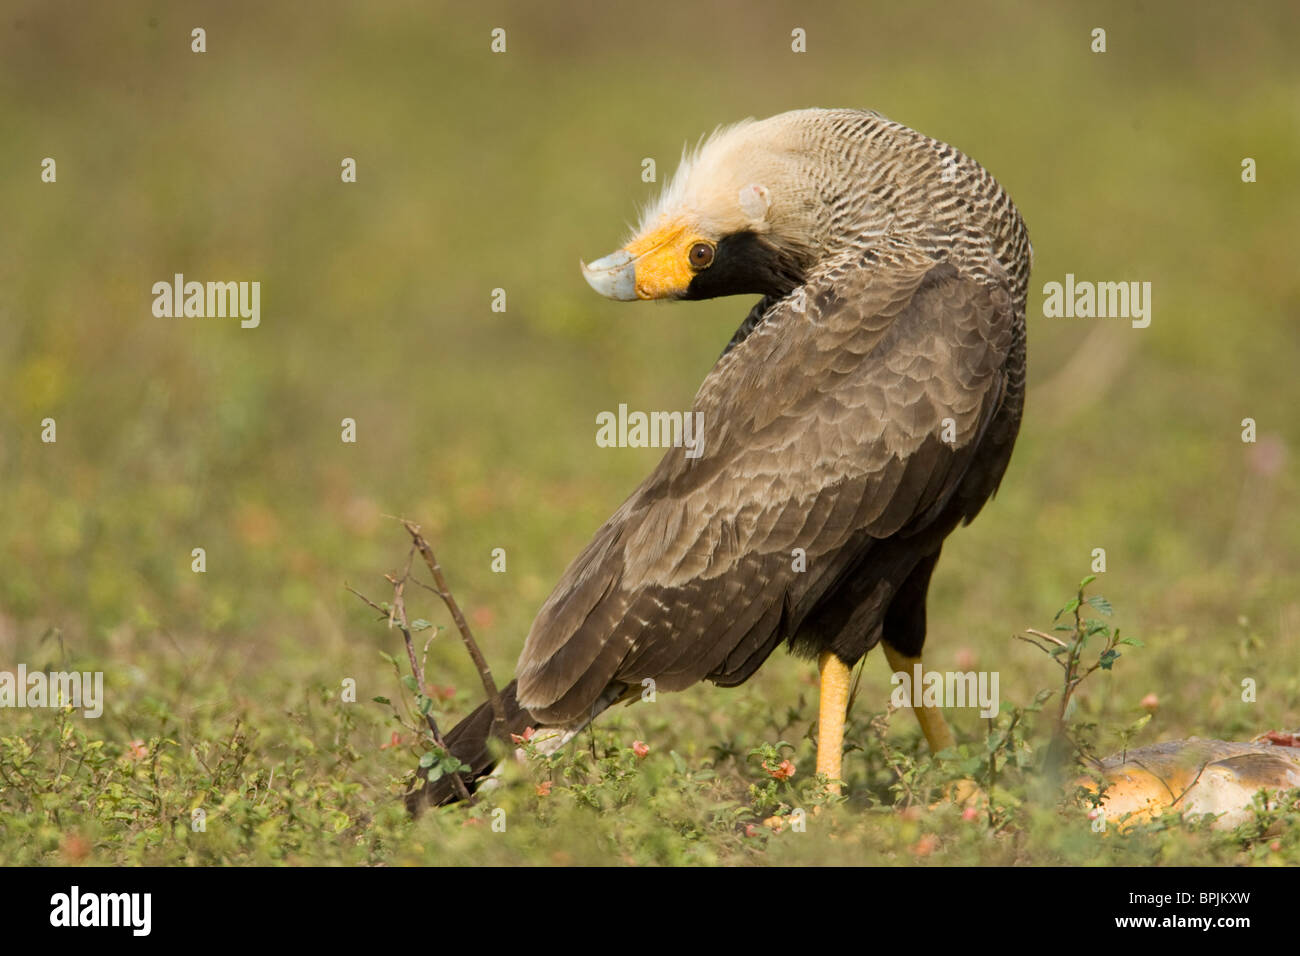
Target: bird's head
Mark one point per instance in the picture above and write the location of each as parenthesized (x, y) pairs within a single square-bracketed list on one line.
[(761, 206), (742, 214)]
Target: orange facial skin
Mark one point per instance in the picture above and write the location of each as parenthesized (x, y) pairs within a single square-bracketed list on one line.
[(663, 265)]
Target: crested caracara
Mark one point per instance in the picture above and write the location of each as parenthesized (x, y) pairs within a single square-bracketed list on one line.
[(865, 407)]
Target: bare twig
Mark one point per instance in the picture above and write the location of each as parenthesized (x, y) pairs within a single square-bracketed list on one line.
[(1029, 640), (1195, 780), (348, 587), (441, 589), (396, 615), (1043, 634), (879, 726), (398, 610)]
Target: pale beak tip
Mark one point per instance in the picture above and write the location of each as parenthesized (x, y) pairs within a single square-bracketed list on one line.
[(613, 276)]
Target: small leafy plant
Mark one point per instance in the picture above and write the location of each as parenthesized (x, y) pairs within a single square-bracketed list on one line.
[(1070, 652)]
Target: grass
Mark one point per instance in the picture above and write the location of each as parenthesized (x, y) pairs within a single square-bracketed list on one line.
[(308, 787), (224, 689)]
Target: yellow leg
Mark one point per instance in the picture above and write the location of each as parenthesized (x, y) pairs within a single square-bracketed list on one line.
[(935, 728), (833, 708)]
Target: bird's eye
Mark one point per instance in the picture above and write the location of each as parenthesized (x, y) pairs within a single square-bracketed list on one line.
[(701, 255)]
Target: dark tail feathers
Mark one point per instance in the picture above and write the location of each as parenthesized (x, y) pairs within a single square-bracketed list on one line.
[(470, 740)]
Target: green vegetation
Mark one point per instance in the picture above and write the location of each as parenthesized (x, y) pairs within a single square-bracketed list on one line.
[(224, 689), (304, 792)]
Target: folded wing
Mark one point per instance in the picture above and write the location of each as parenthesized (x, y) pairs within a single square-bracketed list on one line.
[(849, 415)]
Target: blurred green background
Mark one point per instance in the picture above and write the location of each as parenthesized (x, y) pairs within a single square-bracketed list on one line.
[(478, 171)]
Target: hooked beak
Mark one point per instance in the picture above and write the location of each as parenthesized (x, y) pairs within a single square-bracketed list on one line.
[(652, 266), (614, 276)]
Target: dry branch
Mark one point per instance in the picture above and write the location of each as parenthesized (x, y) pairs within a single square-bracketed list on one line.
[(396, 615), (441, 589)]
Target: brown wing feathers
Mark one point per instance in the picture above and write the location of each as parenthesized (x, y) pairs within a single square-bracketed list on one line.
[(822, 431)]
